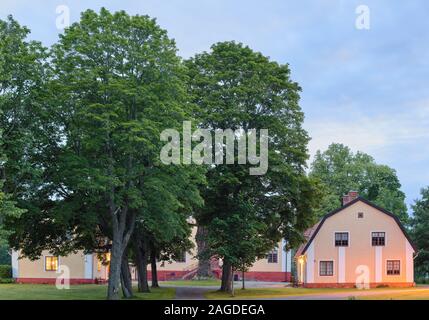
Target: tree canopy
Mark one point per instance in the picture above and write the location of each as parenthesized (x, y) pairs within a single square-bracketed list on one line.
[(420, 232), (237, 88), (340, 171)]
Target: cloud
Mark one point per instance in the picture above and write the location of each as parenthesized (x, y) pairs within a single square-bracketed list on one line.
[(374, 134)]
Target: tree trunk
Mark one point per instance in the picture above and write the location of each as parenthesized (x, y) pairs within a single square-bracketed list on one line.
[(141, 257), (114, 271), (126, 282), (123, 222), (153, 267), (226, 277), (242, 280), (204, 270)]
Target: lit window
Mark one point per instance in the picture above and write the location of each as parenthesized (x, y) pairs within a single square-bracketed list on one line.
[(393, 267), (51, 263), (326, 268), (341, 239), (273, 256), (378, 238)]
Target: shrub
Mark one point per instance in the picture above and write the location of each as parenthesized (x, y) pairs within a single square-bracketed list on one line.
[(5, 271), (5, 281)]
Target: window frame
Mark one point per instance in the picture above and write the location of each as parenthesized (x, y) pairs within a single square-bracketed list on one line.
[(393, 270), (273, 253), (320, 268), (341, 232), (50, 264), (372, 239)]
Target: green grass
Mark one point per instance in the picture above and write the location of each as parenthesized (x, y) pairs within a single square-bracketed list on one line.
[(271, 292), (410, 294), (196, 283), (267, 293), (76, 292)]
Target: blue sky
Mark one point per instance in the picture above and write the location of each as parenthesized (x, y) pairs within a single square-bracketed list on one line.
[(367, 89)]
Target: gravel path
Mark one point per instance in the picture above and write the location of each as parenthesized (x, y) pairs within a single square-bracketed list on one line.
[(192, 293)]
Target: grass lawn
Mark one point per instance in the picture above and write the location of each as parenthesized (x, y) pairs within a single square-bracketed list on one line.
[(267, 293), (411, 294), (196, 283), (76, 292), (272, 292)]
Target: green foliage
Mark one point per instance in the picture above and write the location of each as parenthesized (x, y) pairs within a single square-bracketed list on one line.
[(241, 237), (420, 233), (340, 171), (5, 271), (114, 83), (234, 87), (22, 69), (4, 255)]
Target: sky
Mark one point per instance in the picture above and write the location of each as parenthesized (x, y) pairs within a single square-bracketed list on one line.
[(365, 88)]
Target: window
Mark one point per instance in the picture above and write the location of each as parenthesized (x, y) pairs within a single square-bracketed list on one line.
[(360, 215), (341, 239), (273, 256), (326, 268), (181, 257), (378, 238), (393, 267), (51, 263)]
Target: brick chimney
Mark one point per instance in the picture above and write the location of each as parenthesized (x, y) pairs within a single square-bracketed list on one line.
[(350, 197)]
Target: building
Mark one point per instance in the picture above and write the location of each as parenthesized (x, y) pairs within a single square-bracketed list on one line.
[(80, 268), (87, 268), (357, 244)]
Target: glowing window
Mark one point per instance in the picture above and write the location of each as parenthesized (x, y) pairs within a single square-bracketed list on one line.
[(51, 263)]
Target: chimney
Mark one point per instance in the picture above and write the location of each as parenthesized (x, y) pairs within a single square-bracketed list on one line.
[(352, 195)]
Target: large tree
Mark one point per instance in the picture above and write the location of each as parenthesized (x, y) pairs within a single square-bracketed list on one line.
[(117, 84), (121, 85), (239, 89), (340, 171), (22, 137), (420, 232)]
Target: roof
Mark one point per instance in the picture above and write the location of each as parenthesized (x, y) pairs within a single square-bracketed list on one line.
[(311, 233), (307, 234)]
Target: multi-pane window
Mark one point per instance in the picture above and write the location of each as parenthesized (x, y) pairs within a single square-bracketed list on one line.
[(273, 256), (181, 257), (393, 267), (378, 238), (341, 239), (326, 268), (51, 263)]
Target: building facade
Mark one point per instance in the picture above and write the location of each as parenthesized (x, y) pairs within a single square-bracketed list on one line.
[(358, 244), (88, 268)]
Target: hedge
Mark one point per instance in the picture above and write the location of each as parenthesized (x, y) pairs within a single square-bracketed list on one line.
[(5, 271)]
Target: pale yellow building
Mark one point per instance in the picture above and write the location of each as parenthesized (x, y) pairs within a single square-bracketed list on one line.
[(87, 268), (358, 244)]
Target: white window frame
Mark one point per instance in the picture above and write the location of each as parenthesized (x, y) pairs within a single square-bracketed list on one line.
[(400, 267), (333, 267), (370, 238), (348, 236)]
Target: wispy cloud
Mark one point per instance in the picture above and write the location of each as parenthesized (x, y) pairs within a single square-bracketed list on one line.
[(373, 133)]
